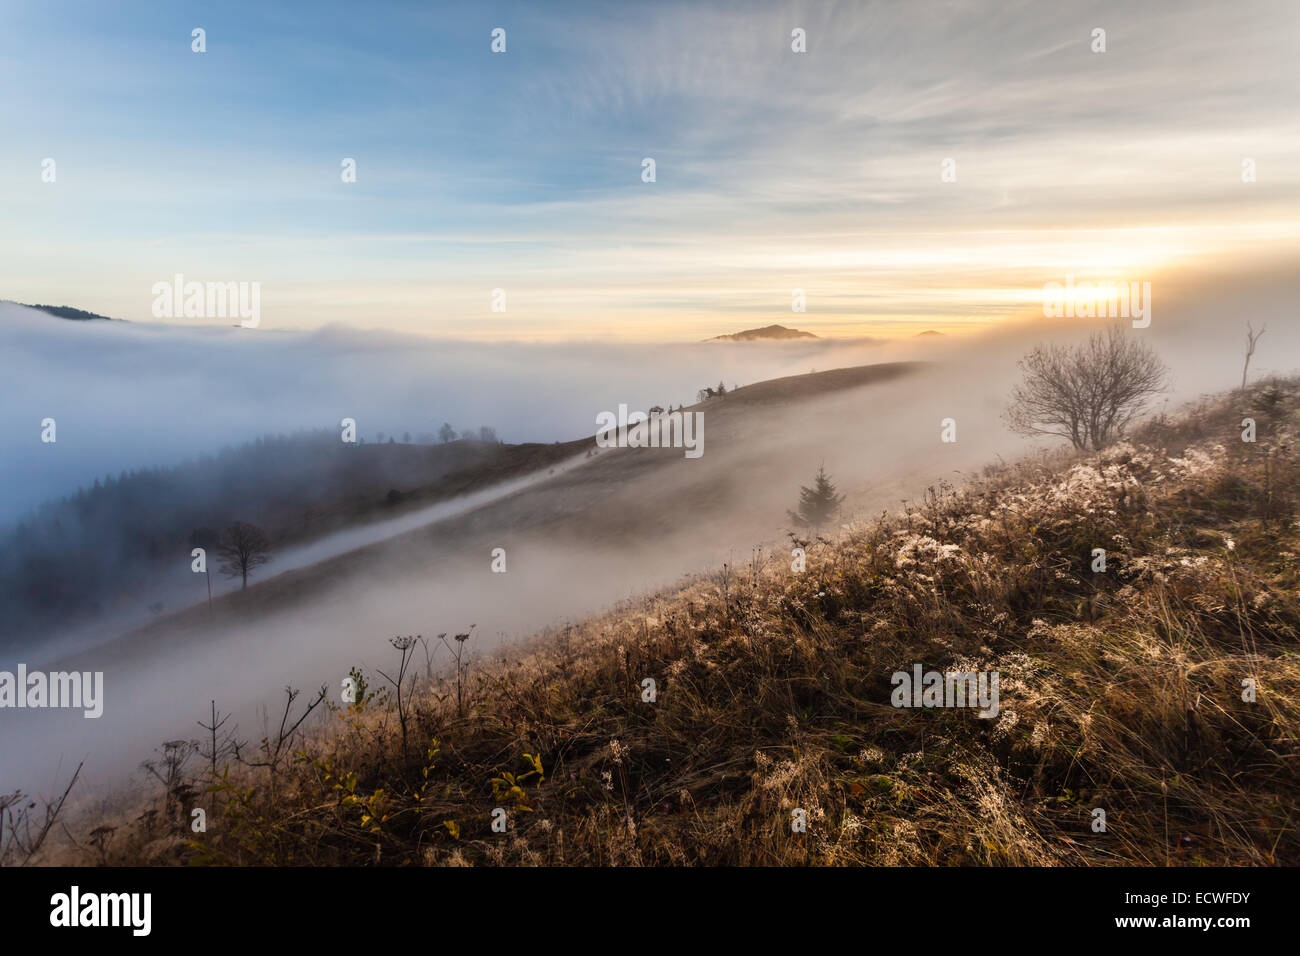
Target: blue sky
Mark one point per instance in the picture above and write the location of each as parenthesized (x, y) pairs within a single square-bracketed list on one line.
[(522, 170)]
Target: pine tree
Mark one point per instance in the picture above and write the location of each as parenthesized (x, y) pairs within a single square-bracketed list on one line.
[(818, 504)]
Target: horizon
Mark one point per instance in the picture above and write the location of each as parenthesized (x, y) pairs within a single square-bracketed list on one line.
[(522, 171)]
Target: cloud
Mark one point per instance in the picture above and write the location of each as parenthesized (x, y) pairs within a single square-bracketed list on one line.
[(522, 170), (132, 395)]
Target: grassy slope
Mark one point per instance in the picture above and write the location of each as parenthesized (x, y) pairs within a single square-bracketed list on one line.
[(1119, 690)]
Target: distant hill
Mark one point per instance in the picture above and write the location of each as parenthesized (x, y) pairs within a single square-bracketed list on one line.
[(767, 333), (928, 332), (298, 487), (66, 312), (780, 391)]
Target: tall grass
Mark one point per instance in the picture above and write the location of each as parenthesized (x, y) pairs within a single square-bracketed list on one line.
[(1120, 690)]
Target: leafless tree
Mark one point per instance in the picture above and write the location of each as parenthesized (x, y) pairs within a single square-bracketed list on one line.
[(242, 548), (1251, 338), (1087, 393)]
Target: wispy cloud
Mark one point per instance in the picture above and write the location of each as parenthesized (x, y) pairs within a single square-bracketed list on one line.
[(522, 171)]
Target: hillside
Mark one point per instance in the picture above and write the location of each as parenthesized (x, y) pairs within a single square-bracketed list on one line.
[(613, 497), (1120, 690), (791, 388), (299, 487), (68, 312)]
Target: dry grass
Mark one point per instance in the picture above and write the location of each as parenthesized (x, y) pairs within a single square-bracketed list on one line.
[(1119, 690)]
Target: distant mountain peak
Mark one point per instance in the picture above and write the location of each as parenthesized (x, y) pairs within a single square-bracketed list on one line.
[(66, 312), (928, 332), (767, 333)]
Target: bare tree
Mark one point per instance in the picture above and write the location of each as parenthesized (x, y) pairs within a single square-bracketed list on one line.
[(1088, 393), (1251, 338), (242, 548)]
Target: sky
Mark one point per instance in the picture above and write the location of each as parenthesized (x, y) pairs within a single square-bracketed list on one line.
[(523, 170)]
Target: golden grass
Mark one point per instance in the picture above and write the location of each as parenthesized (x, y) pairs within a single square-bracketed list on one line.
[(1119, 690)]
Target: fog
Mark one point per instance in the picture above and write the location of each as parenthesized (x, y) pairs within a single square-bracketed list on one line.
[(176, 586), (604, 530), (132, 395)]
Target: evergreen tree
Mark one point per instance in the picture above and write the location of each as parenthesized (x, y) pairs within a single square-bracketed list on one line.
[(818, 504)]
